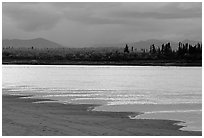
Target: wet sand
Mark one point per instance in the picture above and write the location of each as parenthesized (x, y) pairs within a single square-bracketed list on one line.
[(23, 117)]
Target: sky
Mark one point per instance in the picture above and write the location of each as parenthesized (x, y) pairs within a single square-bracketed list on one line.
[(85, 24)]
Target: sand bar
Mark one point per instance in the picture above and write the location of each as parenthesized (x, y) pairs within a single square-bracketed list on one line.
[(23, 117)]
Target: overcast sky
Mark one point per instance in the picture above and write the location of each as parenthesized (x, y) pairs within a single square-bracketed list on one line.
[(85, 24)]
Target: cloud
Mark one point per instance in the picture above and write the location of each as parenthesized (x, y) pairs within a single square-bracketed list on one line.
[(31, 16), (44, 16), (128, 13), (79, 24), (168, 11)]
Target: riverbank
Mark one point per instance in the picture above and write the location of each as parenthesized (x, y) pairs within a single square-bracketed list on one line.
[(23, 117), (197, 63)]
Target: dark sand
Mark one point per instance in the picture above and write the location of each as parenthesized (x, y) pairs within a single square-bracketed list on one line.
[(22, 117)]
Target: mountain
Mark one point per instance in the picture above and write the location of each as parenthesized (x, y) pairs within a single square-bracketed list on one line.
[(43, 43), (192, 42), (146, 44), (36, 43), (158, 43)]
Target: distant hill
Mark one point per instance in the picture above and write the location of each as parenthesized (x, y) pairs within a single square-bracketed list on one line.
[(36, 43), (43, 43), (146, 44), (191, 42)]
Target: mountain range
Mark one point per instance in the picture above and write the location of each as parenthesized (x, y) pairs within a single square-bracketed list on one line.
[(36, 43), (43, 43), (146, 44)]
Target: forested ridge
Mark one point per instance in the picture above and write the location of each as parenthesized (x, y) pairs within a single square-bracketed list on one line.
[(127, 54)]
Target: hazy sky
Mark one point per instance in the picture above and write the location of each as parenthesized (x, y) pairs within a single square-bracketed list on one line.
[(85, 24)]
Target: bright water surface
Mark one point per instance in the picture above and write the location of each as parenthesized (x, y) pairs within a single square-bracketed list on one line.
[(173, 93)]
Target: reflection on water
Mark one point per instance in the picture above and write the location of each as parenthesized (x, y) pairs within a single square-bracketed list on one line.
[(109, 85)]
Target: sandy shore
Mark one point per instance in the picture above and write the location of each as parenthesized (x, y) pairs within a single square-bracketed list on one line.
[(22, 117)]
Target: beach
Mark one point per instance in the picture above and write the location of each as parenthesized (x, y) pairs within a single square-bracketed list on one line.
[(23, 117)]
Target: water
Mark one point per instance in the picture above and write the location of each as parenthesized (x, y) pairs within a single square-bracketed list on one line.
[(159, 92)]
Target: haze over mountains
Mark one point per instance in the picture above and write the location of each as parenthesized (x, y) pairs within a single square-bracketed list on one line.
[(36, 43), (43, 43), (146, 44)]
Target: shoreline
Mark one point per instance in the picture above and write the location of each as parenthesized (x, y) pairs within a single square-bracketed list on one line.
[(23, 117), (108, 63)]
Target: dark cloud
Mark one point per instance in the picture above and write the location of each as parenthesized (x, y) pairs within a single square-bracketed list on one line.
[(37, 16), (95, 13), (31, 16), (85, 5), (170, 11), (156, 15), (69, 23)]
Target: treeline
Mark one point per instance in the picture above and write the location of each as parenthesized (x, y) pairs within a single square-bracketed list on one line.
[(185, 51), (164, 52)]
